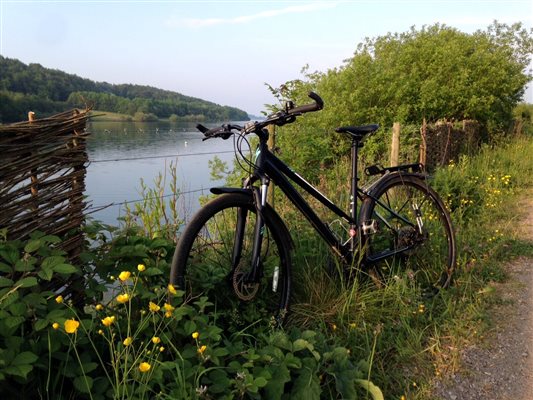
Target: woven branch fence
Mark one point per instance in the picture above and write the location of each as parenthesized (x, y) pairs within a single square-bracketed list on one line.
[(42, 178), (444, 142)]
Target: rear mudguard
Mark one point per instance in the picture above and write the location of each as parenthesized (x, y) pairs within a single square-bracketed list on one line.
[(271, 212)]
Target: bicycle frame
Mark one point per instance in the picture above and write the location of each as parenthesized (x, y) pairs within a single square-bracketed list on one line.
[(269, 167)]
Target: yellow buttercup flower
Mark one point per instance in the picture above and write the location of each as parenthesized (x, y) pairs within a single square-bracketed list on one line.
[(99, 307), (55, 325), (108, 321), (168, 307), (123, 298), (127, 341), (202, 349), (153, 307), (168, 314), (156, 340), (124, 276), (100, 332), (71, 325), (195, 335), (172, 289), (144, 367), (161, 349), (141, 267), (59, 299)]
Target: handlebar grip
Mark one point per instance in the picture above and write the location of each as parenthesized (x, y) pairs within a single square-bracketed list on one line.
[(317, 105)]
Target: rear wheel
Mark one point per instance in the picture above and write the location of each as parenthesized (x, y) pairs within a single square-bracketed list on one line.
[(409, 234), (213, 258)]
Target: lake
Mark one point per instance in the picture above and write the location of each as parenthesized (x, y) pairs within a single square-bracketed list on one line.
[(121, 153)]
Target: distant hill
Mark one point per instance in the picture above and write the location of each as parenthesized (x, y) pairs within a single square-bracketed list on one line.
[(47, 91)]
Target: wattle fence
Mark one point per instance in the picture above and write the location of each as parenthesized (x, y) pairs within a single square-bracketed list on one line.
[(42, 178)]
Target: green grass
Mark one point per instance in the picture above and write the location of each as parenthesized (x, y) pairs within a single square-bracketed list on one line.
[(410, 341)]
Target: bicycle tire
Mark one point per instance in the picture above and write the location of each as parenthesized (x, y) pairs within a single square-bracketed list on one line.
[(429, 263), (202, 262)]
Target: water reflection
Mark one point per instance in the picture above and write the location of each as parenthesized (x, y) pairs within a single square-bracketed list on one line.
[(122, 153)]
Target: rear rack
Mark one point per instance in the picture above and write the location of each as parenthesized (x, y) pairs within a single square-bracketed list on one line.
[(377, 169)]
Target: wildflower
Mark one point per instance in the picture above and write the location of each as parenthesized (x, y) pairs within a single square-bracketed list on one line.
[(421, 308), (141, 267), (161, 349), (100, 332), (202, 349), (153, 307), (59, 299), (124, 276), (195, 335), (71, 326), (352, 325), (127, 341), (334, 327), (55, 325), (123, 298), (403, 397), (108, 321), (99, 307), (172, 289), (168, 307), (168, 314), (144, 367), (156, 340)]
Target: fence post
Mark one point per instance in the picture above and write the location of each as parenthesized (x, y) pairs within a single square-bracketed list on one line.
[(423, 145), (395, 147), (271, 146), (33, 177)]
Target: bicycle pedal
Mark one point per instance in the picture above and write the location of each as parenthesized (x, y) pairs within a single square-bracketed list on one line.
[(369, 227)]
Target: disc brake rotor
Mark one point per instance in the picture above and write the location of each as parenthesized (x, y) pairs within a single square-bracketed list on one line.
[(244, 291)]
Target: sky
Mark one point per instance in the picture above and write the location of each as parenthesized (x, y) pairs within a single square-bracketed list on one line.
[(222, 51)]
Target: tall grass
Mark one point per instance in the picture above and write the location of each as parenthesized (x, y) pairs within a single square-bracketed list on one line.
[(410, 340)]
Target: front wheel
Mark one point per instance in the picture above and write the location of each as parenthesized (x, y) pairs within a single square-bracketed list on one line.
[(409, 235), (213, 257)]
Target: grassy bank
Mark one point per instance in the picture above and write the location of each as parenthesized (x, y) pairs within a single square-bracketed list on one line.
[(411, 340)]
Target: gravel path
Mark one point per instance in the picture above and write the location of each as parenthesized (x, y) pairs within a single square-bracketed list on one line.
[(501, 368)]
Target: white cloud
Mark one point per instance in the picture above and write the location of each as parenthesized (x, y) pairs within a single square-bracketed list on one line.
[(201, 23)]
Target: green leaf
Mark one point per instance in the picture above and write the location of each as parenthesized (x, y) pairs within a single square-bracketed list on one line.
[(25, 265), (17, 309), (65, 269), (5, 282), (26, 357), (13, 322), (33, 245), (45, 274), (260, 381), (40, 324), (374, 391), (30, 281), (300, 344), (306, 386), (83, 384), (275, 387), (5, 268), (19, 370), (52, 261)]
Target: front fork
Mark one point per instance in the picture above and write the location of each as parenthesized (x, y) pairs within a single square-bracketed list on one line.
[(260, 201)]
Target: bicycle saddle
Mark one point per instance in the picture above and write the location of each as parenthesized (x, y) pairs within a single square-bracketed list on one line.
[(358, 132)]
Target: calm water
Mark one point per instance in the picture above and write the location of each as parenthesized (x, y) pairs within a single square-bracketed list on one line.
[(119, 154)]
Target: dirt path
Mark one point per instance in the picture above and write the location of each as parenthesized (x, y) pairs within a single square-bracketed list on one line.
[(501, 368)]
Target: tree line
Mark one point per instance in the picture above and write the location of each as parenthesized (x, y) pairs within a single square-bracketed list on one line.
[(47, 91)]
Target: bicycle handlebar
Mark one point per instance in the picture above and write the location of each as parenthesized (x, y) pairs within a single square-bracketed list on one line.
[(280, 118)]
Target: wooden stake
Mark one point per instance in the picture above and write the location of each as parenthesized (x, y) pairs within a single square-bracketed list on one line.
[(395, 146), (423, 145)]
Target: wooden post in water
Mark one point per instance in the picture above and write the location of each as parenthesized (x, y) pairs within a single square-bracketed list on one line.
[(271, 146), (395, 146)]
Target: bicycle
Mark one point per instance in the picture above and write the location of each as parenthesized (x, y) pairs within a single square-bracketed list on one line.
[(237, 249)]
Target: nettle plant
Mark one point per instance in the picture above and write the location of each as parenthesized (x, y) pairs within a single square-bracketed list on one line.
[(136, 337)]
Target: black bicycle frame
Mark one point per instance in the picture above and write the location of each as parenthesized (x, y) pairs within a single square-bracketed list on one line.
[(268, 166)]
